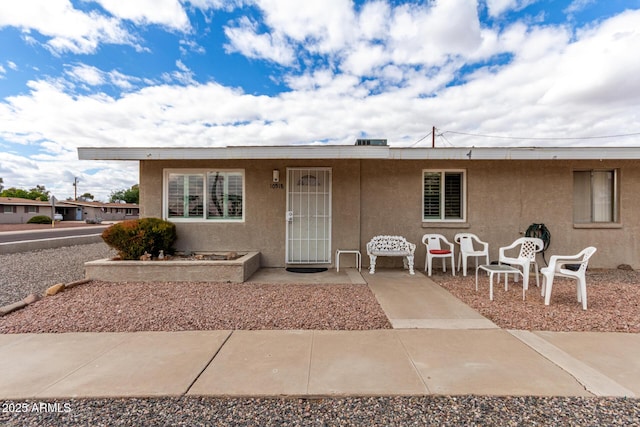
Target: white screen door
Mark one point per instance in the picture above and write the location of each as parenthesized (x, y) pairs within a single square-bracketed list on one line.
[(308, 215)]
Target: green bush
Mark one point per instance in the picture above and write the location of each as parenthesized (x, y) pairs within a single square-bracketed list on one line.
[(134, 237), (39, 219)]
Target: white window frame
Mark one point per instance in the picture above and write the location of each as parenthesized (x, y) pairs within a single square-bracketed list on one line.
[(204, 173), (615, 197), (463, 206)]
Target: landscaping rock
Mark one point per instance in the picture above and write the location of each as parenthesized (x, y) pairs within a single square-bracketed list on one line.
[(55, 289), (626, 267), (11, 307), (76, 283), (31, 298)]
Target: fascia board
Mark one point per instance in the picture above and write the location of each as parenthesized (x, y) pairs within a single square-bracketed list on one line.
[(359, 152), (204, 153), (516, 153)]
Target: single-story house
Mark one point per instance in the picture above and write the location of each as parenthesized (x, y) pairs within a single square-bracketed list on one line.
[(88, 210), (16, 210), (297, 205)]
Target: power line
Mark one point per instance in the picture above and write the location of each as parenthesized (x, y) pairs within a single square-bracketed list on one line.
[(421, 139), (541, 138)]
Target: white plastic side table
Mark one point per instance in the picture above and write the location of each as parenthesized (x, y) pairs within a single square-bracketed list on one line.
[(349, 251), (499, 269)]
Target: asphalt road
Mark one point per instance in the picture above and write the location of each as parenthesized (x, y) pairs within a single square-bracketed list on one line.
[(19, 236)]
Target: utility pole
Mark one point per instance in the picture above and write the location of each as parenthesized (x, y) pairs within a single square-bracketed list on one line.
[(433, 137), (75, 188)]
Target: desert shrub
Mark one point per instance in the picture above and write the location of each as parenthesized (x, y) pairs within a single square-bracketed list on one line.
[(134, 237), (39, 219)]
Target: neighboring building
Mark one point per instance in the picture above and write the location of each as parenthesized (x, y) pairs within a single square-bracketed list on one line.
[(14, 210), (82, 211), (297, 205)]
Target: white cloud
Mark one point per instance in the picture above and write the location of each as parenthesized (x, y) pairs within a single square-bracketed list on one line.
[(598, 68), (322, 26), (578, 5), (12, 65), (214, 4), (244, 39), (391, 71), (168, 13), (499, 7), (432, 35), (86, 74), (66, 28)]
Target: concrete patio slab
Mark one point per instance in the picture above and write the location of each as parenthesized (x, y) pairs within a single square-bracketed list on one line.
[(484, 362), (417, 302), (259, 363), (281, 275), (361, 363), (613, 357), (33, 362), (143, 364)]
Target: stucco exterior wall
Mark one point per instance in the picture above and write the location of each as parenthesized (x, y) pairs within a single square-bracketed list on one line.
[(21, 217), (265, 207), (372, 197)]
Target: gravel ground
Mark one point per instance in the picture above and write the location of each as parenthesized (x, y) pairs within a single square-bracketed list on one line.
[(372, 411), (128, 307), (615, 291), (613, 302), (33, 272)]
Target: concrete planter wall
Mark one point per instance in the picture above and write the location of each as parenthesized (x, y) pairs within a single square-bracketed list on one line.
[(235, 271)]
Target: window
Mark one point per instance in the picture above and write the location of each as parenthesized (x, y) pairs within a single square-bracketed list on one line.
[(205, 195), (443, 195), (9, 209), (595, 196), (31, 209)]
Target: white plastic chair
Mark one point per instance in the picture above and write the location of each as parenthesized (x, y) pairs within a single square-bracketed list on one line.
[(529, 247), (438, 247), (557, 268), (470, 246)]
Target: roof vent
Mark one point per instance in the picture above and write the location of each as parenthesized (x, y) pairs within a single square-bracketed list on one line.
[(371, 142)]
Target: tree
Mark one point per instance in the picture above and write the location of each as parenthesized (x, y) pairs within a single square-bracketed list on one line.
[(37, 193), (87, 196), (131, 195)]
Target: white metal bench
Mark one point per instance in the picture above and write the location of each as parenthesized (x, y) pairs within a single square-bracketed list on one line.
[(390, 246)]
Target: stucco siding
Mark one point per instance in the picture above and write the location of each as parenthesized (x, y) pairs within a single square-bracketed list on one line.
[(372, 197)]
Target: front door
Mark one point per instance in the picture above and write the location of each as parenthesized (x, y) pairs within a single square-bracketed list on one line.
[(308, 216)]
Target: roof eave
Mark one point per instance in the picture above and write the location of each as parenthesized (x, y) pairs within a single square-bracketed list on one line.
[(359, 152)]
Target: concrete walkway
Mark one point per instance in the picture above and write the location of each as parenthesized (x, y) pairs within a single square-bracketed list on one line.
[(441, 346)]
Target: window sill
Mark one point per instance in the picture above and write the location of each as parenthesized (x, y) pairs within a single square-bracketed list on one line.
[(598, 225), (446, 225), (204, 221)]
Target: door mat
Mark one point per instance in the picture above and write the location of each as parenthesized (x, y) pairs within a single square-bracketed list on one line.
[(306, 269)]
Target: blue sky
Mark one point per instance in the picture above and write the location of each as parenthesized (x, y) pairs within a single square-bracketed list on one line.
[(80, 73)]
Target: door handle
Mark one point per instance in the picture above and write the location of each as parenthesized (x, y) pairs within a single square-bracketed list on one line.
[(289, 216)]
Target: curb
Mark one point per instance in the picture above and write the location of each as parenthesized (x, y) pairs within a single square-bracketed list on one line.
[(52, 243), (31, 298)]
